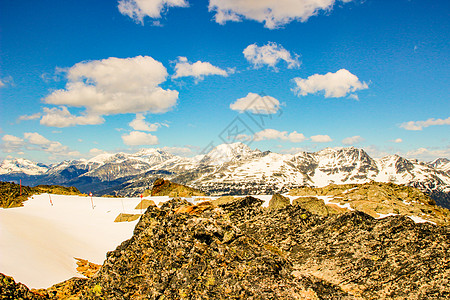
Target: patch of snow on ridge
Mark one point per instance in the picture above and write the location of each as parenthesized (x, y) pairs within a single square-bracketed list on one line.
[(418, 219), (382, 216)]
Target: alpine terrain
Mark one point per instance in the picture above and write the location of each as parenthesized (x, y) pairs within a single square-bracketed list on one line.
[(234, 169)]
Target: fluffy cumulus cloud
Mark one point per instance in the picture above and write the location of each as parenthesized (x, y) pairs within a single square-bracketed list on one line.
[(273, 14), (321, 138), (61, 117), (36, 142), (270, 55), (139, 9), (352, 140), (139, 123), (273, 134), (334, 85), (419, 125), (398, 140), (110, 86), (256, 104), (139, 138), (198, 70)]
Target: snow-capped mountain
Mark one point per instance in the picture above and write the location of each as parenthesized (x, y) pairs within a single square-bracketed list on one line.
[(235, 169), (20, 165), (227, 153), (442, 164)]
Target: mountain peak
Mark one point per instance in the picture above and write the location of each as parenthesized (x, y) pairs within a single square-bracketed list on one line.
[(22, 165), (227, 152)]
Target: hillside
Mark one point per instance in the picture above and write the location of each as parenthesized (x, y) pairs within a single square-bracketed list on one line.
[(12, 195), (163, 187)]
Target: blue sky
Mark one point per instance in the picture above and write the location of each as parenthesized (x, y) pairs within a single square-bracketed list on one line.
[(75, 74)]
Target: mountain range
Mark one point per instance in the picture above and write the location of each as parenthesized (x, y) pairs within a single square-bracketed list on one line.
[(233, 169)]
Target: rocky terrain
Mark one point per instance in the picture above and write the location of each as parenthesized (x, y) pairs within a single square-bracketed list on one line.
[(163, 187), (13, 195), (236, 249), (375, 199)]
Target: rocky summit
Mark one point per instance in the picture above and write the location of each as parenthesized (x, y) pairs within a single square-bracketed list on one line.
[(163, 187), (240, 250)]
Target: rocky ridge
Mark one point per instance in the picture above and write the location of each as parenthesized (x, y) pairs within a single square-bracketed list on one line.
[(13, 195), (238, 249)]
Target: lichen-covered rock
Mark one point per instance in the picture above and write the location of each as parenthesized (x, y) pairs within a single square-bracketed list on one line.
[(9, 289), (377, 199), (122, 217), (197, 256), (279, 201), (312, 204), (145, 203), (163, 187)]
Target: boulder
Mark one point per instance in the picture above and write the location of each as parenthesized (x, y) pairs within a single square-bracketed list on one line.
[(163, 187), (279, 201), (312, 204)]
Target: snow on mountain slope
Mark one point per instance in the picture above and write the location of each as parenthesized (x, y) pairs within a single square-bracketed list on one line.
[(343, 165), (442, 164), (20, 165), (399, 170), (225, 153), (271, 168)]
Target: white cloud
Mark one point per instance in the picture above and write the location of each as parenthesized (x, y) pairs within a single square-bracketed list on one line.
[(36, 142), (36, 139), (111, 86), (321, 138), (273, 134), (352, 140), (419, 125), (137, 138), (30, 117), (11, 143), (199, 70), (296, 137), (425, 154), (270, 55), (182, 151), (335, 85), (274, 14), (139, 9), (256, 104), (61, 117), (139, 124), (241, 137), (399, 140), (1, 84)]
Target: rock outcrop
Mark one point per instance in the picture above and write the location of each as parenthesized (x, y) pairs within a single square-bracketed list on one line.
[(163, 187), (279, 201), (13, 195), (377, 199)]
